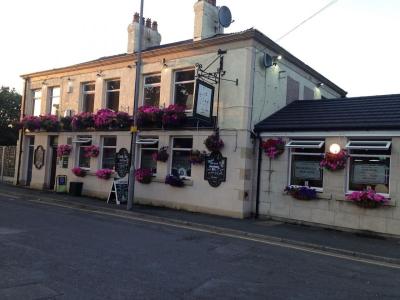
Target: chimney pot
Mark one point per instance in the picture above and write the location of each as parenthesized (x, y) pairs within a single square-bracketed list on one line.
[(154, 26), (136, 17), (148, 23)]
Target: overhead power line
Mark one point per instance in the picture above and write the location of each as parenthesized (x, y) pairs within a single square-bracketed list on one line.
[(308, 19)]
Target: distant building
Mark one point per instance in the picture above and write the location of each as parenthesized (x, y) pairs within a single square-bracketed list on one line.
[(168, 77)]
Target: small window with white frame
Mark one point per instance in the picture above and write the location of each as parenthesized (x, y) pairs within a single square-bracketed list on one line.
[(305, 159), (181, 150), (151, 90), (184, 88), (54, 100), (369, 165), (37, 102), (88, 94), (83, 161), (112, 94), (109, 149), (148, 148)]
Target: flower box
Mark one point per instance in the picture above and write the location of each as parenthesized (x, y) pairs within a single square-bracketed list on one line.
[(174, 116), (174, 181), (301, 192), (104, 174), (31, 123), (49, 123), (367, 199), (149, 117), (83, 121)]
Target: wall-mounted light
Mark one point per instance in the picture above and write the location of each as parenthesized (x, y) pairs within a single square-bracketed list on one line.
[(164, 63), (69, 85), (334, 148), (44, 82), (99, 73), (275, 59), (320, 84)]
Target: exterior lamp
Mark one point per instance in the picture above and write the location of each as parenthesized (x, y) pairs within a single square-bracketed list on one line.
[(334, 149), (275, 59)]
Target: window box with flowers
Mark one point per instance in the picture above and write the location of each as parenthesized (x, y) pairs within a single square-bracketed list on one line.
[(104, 174), (83, 121), (174, 116), (367, 199), (301, 192), (149, 117), (31, 123), (174, 181), (49, 123)]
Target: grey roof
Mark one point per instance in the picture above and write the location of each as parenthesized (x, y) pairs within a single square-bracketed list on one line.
[(360, 113)]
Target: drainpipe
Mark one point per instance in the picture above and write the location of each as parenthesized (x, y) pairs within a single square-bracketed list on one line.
[(21, 134), (259, 163)]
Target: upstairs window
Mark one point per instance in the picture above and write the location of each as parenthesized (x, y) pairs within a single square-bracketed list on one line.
[(184, 88), (151, 92), (369, 165), (305, 158), (54, 97), (37, 102), (88, 90), (112, 94)]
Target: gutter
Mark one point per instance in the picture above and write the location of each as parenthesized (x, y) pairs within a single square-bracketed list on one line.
[(21, 134), (259, 163)]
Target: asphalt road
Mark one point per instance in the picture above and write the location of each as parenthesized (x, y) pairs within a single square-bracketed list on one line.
[(49, 252)]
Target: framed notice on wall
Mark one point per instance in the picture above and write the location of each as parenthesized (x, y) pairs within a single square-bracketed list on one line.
[(203, 101)]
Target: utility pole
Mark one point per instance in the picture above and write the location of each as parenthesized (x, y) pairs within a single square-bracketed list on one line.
[(131, 182)]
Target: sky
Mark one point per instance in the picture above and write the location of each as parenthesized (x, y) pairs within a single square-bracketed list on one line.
[(354, 43)]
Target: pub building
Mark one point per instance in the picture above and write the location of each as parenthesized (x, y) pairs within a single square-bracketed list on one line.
[(76, 118), (346, 150)]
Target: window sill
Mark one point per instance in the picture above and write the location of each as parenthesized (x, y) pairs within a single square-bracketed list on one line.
[(188, 182), (391, 202)]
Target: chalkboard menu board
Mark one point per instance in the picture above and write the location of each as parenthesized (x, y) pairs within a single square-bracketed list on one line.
[(215, 169), (119, 191), (122, 162)]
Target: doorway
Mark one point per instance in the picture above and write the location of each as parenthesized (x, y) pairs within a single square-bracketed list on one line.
[(53, 159), (31, 150)]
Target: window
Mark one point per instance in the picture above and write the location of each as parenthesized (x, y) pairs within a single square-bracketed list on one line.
[(181, 149), (184, 88), (82, 142), (369, 165), (109, 151), (112, 94), (37, 102), (305, 157), (54, 97), (88, 91), (148, 146), (151, 93)]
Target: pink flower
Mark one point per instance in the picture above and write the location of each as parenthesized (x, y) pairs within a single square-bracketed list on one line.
[(104, 173)]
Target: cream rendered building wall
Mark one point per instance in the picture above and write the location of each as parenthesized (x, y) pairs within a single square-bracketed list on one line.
[(331, 210)]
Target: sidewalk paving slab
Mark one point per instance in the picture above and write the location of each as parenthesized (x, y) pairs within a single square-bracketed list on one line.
[(354, 243)]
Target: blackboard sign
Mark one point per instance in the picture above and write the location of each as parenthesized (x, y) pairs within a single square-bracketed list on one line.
[(215, 169), (119, 192), (122, 162), (38, 157)]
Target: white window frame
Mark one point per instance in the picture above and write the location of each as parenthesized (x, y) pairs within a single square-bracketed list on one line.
[(151, 85), (307, 144), (362, 145), (38, 99), (87, 93), (147, 144), (51, 97), (358, 146), (115, 90), (79, 141), (107, 147), (179, 149), (183, 82)]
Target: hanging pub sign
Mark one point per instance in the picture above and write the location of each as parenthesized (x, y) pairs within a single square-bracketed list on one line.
[(203, 101), (215, 169), (122, 162), (38, 157)]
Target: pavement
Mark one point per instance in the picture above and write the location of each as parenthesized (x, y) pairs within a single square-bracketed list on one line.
[(60, 247), (362, 245)]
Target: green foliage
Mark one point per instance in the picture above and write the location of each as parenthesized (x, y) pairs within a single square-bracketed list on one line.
[(10, 108)]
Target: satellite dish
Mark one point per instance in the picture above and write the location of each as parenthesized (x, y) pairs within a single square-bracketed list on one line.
[(267, 60), (225, 17)]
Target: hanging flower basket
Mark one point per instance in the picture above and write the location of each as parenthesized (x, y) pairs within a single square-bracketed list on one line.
[(91, 151), (214, 143), (162, 155), (301, 192), (334, 162), (197, 157), (49, 123), (83, 121), (66, 123), (149, 117), (273, 147), (64, 150), (104, 173), (174, 116), (144, 176), (31, 123), (174, 181), (79, 172), (367, 199)]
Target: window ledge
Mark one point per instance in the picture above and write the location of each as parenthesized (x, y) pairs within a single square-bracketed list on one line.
[(188, 182)]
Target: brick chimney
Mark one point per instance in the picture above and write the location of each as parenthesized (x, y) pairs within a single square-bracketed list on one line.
[(206, 23), (151, 36)]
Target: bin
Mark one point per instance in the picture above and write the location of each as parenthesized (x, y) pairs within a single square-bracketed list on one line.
[(75, 188)]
